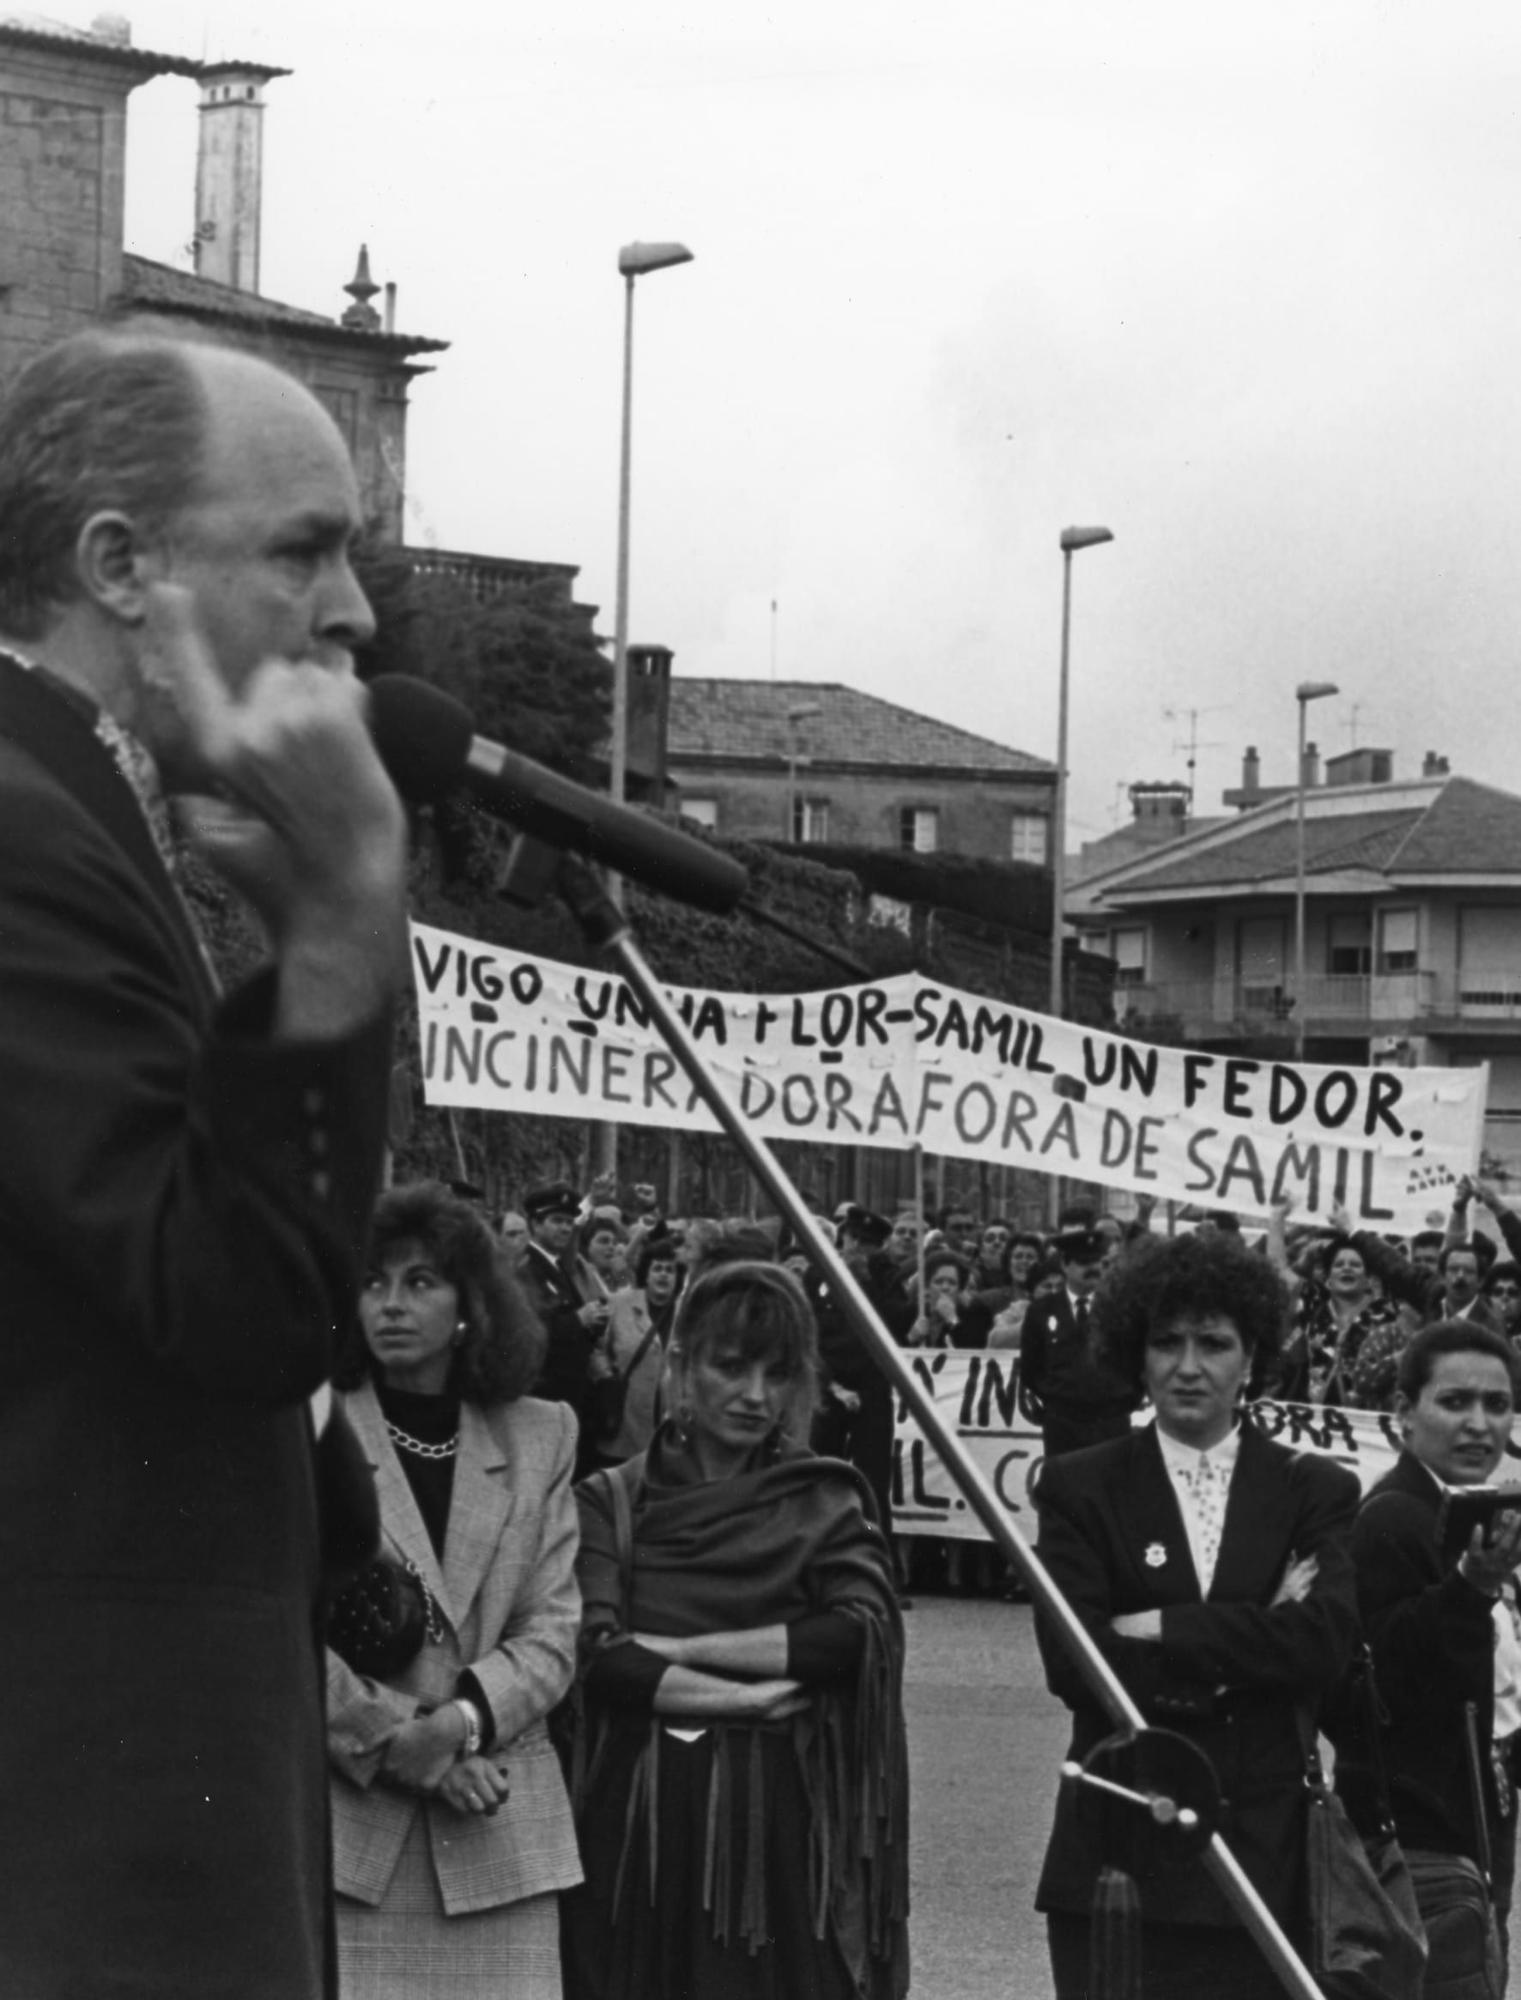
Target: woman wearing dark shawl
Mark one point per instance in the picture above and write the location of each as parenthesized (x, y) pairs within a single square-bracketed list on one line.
[(741, 1774)]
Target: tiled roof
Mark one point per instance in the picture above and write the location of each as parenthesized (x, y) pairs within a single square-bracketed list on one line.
[(1469, 829), (1457, 827), (1268, 853), (36, 32), (154, 287), (713, 719)]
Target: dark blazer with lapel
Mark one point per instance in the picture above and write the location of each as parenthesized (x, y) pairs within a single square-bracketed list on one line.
[(1432, 1637), (510, 1610), (181, 1203), (1228, 1668), (1054, 1369), (564, 1377)]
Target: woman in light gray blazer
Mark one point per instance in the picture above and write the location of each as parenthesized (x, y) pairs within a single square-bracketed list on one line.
[(451, 1828)]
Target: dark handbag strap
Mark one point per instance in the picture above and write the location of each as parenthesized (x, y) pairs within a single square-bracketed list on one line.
[(622, 1510), (1309, 1749), (639, 1352), (1483, 1852), (1364, 1680)]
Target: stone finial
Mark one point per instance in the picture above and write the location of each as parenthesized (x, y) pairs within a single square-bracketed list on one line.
[(361, 288)]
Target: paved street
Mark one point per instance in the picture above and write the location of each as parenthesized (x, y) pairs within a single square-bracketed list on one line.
[(984, 1742)]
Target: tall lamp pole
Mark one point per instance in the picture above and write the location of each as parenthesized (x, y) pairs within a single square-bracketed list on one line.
[(1304, 694), (634, 260), (795, 757), (1072, 539)]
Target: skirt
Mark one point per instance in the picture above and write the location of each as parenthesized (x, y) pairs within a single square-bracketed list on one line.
[(408, 1949)]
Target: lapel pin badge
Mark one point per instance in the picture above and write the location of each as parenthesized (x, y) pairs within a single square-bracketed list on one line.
[(1156, 1555)]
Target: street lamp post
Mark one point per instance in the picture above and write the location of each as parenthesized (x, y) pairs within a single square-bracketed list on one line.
[(634, 260), (1304, 694), (795, 757), (1072, 539)]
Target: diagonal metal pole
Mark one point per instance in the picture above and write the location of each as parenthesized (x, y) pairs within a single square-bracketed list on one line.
[(606, 927)]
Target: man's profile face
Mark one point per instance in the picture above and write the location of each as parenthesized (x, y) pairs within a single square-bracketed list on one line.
[(265, 540)]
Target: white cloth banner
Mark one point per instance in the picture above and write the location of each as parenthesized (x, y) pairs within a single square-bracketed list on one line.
[(907, 1062), (975, 1394)]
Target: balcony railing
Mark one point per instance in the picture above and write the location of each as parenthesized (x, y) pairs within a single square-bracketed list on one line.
[(1331, 1002)]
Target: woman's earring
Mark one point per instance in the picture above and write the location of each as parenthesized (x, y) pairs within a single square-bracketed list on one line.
[(683, 1422), (459, 1333)]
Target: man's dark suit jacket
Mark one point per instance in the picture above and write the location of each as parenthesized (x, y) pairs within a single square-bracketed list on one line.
[(1066, 1385), (1228, 1669), (182, 1204), (1432, 1638), (565, 1376)]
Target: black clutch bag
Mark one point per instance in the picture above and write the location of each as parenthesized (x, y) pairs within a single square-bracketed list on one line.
[(377, 1623)]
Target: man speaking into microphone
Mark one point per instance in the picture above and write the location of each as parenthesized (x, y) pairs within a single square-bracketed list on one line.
[(186, 1177)]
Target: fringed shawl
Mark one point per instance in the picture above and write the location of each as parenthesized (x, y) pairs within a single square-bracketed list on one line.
[(792, 1534)]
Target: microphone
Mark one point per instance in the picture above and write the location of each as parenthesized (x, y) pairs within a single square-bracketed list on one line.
[(429, 747)]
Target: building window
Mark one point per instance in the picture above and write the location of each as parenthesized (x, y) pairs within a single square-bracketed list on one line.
[(1028, 839), (1349, 944), (702, 812), (1128, 950), (1398, 940), (919, 829), (810, 820)]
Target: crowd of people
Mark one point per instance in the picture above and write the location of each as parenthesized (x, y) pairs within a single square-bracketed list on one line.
[(655, 1742)]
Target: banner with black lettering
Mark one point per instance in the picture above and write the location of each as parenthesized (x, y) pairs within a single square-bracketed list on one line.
[(975, 1395), (907, 1062)]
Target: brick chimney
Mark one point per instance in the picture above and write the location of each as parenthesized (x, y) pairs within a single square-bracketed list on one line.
[(229, 172), (1251, 770), (1309, 777)]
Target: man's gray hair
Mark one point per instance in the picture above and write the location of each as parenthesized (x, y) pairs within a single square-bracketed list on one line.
[(109, 420)]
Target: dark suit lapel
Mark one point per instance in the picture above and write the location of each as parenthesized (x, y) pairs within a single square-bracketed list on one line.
[(1152, 1524), (54, 724), (401, 1520), (1258, 1518)]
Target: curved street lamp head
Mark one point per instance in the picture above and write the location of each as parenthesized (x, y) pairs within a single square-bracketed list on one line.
[(1084, 538), (635, 259), (1315, 690)]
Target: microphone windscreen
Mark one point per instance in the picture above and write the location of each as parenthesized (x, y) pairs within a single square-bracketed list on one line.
[(423, 736)]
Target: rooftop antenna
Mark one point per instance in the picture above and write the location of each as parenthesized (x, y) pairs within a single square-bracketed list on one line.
[(773, 638), (1193, 745), (1352, 715)]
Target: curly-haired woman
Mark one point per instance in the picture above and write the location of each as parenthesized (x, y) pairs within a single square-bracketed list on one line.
[(1211, 1567), (451, 1824)]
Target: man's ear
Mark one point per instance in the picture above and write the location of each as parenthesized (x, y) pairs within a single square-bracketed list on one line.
[(114, 565), (1404, 1409)]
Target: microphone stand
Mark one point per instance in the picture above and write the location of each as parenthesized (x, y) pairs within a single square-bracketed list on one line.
[(605, 927)]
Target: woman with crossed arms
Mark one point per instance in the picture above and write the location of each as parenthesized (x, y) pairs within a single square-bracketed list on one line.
[(1211, 1567)]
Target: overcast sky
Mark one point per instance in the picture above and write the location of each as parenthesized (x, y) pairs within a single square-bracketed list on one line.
[(1240, 284)]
